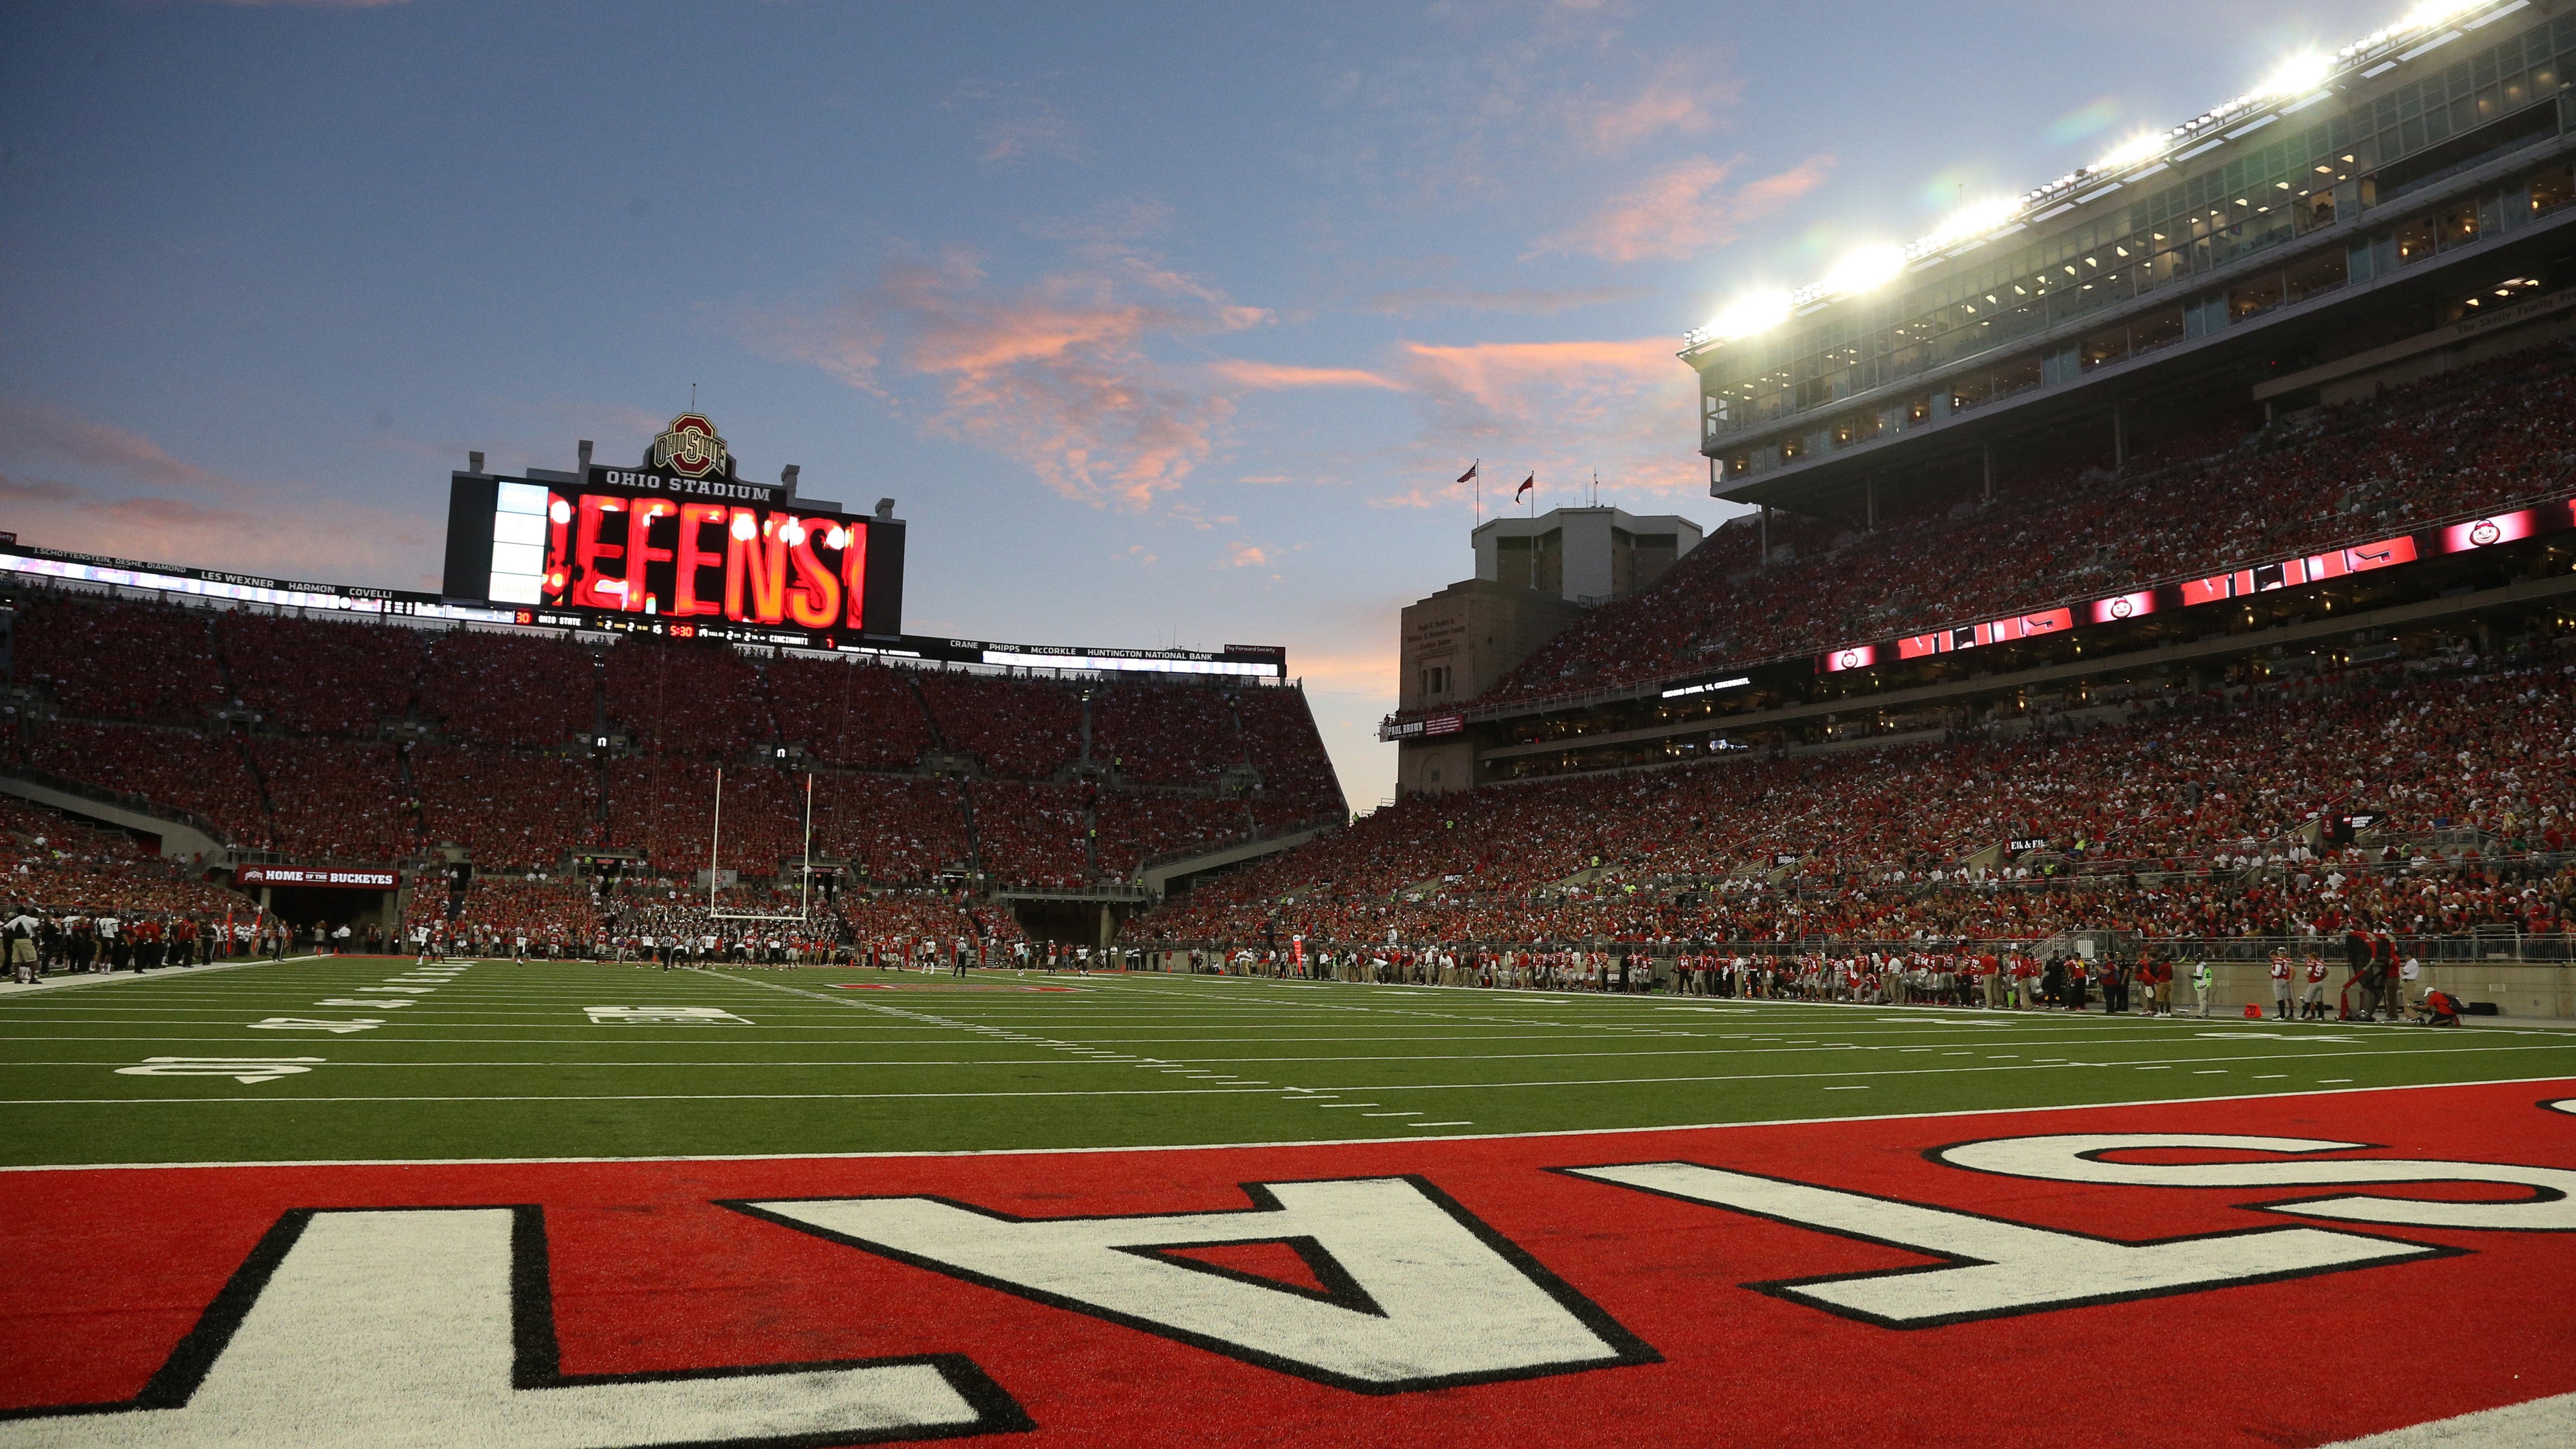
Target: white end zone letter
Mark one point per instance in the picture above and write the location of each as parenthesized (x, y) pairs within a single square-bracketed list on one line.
[(1421, 1294)]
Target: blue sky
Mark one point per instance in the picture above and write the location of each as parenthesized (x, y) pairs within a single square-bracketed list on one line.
[(1164, 323)]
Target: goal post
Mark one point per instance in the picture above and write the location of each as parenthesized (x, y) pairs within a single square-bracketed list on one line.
[(804, 913)]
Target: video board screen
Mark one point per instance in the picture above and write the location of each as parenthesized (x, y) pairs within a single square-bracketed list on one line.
[(675, 548)]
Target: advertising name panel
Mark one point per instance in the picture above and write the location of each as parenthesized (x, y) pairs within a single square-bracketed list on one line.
[(1248, 661), (2290, 573)]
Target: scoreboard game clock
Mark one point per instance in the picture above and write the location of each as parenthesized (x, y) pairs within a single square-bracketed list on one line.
[(681, 540)]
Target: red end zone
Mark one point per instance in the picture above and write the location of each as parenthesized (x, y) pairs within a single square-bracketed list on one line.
[(1920, 1281)]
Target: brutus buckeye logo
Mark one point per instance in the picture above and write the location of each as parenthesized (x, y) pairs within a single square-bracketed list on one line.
[(2484, 532), (2122, 608), (690, 447)]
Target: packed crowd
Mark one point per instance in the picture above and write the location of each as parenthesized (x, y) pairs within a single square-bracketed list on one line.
[(344, 740), (1024, 729), (56, 864), (2468, 439), (1034, 835), (2201, 816), (860, 716), (515, 812), (208, 776), (1166, 734), (491, 688)]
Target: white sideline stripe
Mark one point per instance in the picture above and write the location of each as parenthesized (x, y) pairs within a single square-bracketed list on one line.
[(2443, 1049), (67, 980), (1211, 1078), (2537, 1424), (1240, 1146)]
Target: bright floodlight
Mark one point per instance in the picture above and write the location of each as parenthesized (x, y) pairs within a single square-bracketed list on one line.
[(794, 533), (2436, 12), (1746, 316), (838, 537), (1973, 220), (2132, 151), (1865, 270), (2298, 75), (744, 528)]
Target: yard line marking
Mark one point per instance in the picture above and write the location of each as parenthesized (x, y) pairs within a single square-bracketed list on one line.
[(2331, 1081), (2553, 1081), (1391, 1114), (1862, 1088)]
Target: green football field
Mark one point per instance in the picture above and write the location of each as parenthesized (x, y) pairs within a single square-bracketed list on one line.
[(498, 1060)]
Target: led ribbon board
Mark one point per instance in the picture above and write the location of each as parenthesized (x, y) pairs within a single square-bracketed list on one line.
[(2289, 573)]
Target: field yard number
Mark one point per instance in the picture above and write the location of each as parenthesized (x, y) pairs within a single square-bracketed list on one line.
[(1418, 1294), (663, 1016), (240, 1069), (336, 1028), (433, 1327)]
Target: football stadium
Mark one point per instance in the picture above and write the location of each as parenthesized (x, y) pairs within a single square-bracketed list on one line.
[(2053, 922)]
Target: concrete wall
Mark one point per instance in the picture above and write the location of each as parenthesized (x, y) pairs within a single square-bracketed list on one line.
[(1435, 767), (1478, 630), (2547, 992), (1589, 566)]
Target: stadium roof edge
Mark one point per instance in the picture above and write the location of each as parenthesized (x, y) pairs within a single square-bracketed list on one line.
[(2301, 82)]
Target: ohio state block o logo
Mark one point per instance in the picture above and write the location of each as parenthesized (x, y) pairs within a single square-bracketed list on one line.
[(689, 447)]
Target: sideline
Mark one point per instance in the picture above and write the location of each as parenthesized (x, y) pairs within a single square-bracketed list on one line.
[(1555, 995), (65, 981), (2567, 1082)]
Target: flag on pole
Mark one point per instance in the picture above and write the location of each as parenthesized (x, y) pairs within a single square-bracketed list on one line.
[(1474, 470), (1527, 484)]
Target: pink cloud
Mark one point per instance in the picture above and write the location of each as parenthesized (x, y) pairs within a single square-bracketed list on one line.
[(1684, 96), (1059, 376), (267, 531), (1559, 409), (1683, 211), (29, 428), (1535, 301), (129, 497), (1270, 376)]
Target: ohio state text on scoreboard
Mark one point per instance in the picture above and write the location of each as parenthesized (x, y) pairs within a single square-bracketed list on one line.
[(678, 537)]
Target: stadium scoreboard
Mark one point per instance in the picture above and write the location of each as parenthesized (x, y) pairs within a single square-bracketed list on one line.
[(678, 539), (678, 546)]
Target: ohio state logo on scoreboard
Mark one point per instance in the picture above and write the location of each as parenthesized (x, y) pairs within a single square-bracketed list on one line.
[(690, 447)]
